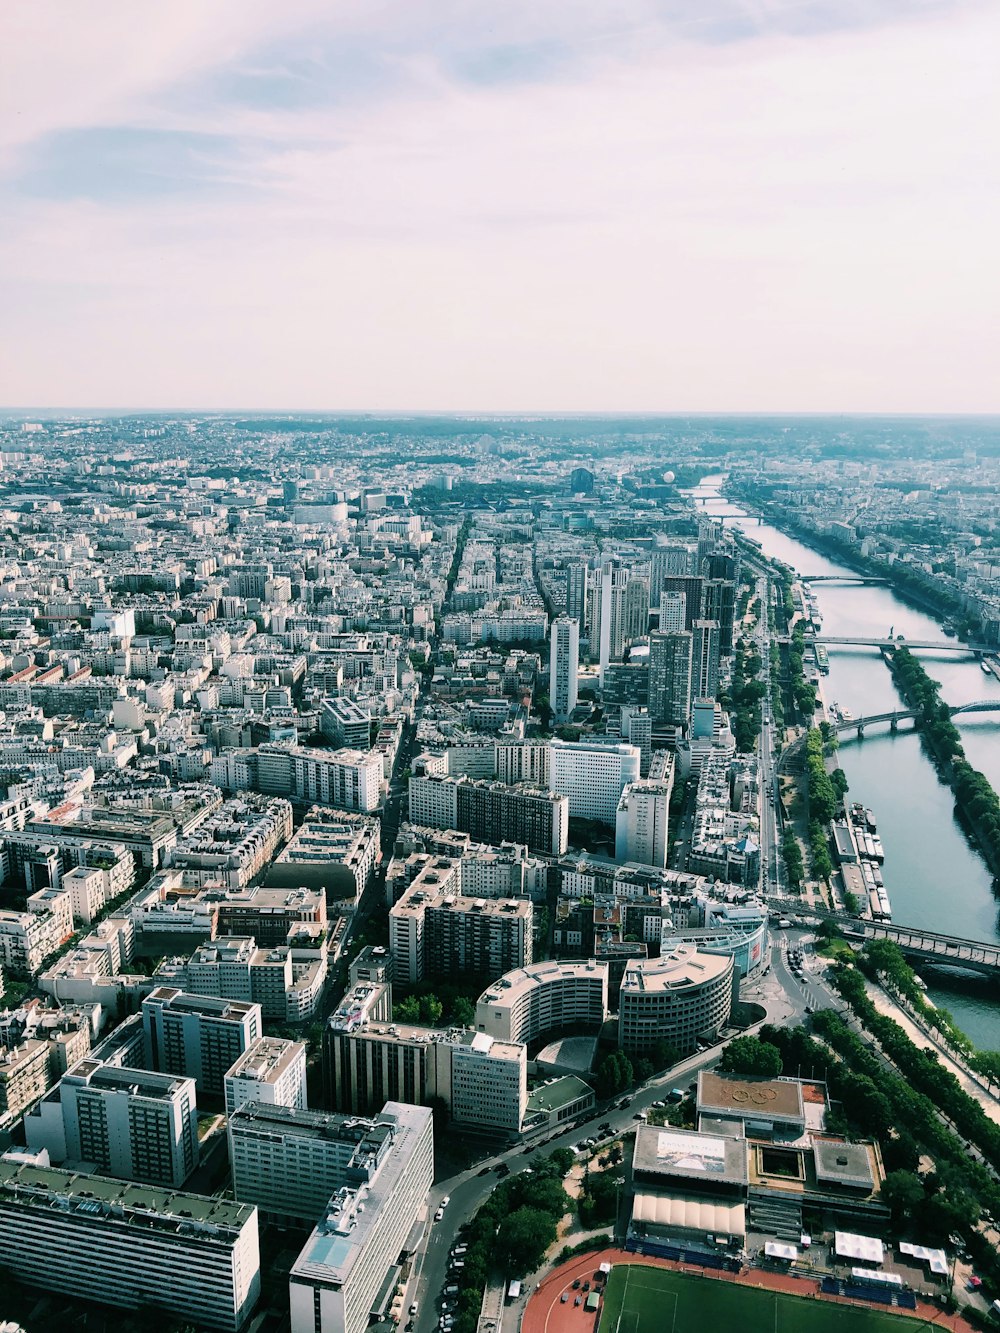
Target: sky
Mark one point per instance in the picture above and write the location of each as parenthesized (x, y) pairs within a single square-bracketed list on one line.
[(468, 205)]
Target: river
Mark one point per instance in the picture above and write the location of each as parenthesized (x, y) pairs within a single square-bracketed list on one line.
[(934, 877)]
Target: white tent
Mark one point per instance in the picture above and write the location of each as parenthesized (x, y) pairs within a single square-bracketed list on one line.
[(866, 1248), (776, 1249)]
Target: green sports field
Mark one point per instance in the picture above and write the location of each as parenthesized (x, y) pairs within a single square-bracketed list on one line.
[(656, 1300)]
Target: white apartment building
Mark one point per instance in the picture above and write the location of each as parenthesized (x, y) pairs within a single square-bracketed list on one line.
[(289, 1161), (333, 850), (347, 779), (198, 1036), (131, 1246), (340, 1274), (27, 939), (523, 761), (592, 776), (368, 1059), (130, 1123), (87, 888), (641, 823), (272, 1072), (564, 667), (547, 997)]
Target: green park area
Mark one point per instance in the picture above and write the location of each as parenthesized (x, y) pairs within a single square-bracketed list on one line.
[(658, 1300)]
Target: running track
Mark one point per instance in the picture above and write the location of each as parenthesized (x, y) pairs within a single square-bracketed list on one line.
[(545, 1313)]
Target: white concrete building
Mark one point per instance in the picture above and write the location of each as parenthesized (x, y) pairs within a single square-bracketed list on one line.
[(131, 1246), (641, 823), (564, 667), (681, 997), (272, 1072), (547, 997), (130, 1123), (197, 1035), (592, 776), (339, 1278)]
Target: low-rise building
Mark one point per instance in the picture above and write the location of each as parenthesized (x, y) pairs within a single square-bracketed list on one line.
[(681, 997), (333, 851)]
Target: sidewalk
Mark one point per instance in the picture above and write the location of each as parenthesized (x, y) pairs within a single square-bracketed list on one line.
[(887, 1006)]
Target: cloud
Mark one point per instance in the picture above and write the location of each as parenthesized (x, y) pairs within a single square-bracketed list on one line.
[(788, 206)]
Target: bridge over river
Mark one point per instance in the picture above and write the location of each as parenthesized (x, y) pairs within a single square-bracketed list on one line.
[(898, 715), (924, 946)]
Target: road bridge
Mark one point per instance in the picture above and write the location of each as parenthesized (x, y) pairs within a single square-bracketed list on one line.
[(898, 715), (927, 946), (939, 645), (860, 580)]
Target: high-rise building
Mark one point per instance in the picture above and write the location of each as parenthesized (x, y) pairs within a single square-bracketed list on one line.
[(705, 658), (669, 560), (690, 586), (592, 776), (670, 657), (581, 481), (289, 1161), (131, 1246), (637, 729), (718, 601), (482, 1081), (434, 931), (681, 997), (673, 612), (491, 811), (198, 1036), (576, 592), (130, 1123), (641, 825), (564, 667), (272, 1072), (342, 1275)]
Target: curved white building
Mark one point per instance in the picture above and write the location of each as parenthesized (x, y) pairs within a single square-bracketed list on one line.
[(546, 997), (680, 997)]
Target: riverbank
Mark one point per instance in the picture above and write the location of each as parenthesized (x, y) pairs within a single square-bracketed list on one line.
[(974, 795), (845, 553)]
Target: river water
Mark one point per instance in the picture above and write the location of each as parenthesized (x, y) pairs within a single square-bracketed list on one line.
[(934, 877)]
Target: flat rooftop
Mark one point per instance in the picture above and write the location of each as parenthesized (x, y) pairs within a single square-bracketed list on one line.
[(750, 1098), (688, 1154), (680, 969), (37, 1186)]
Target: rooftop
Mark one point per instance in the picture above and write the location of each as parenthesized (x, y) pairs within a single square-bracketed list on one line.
[(102, 1198), (671, 1153), (750, 1098)]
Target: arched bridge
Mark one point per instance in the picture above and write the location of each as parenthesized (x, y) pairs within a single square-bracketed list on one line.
[(925, 946), (898, 715)]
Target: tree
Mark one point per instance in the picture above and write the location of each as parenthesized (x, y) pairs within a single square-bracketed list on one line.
[(463, 1012), (750, 1055), (407, 1010), (664, 1055), (522, 1240), (903, 1193), (431, 1010)]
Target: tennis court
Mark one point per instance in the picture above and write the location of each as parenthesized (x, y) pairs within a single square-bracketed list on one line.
[(656, 1300)]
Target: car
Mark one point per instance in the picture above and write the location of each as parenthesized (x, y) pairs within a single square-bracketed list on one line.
[(485, 1171), (809, 1009), (586, 1286), (503, 1169), (576, 1285), (438, 1215), (578, 1300), (445, 1201), (564, 1297), (639, 1115), (414, 1307)]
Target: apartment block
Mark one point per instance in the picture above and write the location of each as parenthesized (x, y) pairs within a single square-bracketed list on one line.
[(271, 1073), (197, 1036), (339, 1279), (130, 1123), (132, 1246)]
